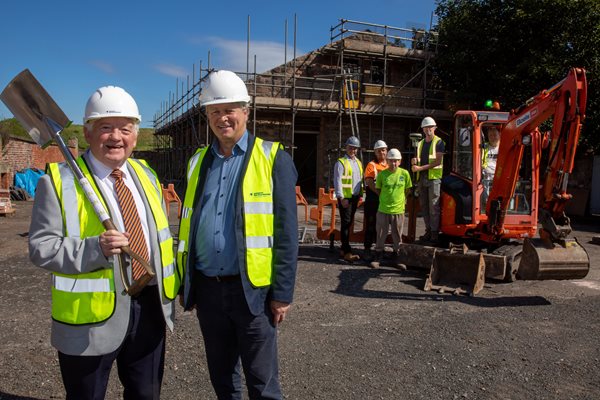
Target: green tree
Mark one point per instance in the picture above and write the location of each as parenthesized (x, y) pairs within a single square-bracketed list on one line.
[(510, 50)]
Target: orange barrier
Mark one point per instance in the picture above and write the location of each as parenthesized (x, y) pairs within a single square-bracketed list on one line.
[(318, 214), (170, 196), (301, 200)]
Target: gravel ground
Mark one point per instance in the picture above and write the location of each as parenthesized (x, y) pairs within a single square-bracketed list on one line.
[(353, 333)]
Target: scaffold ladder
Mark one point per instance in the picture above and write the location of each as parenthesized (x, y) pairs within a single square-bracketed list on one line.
[(350, 102)]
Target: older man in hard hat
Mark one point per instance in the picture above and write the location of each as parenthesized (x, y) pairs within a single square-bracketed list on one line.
[(429, 168), (347, 182), (371, 205), (238, 240), (94, 322)]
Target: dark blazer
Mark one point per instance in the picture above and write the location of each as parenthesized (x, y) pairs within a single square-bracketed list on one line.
[(285, 246)]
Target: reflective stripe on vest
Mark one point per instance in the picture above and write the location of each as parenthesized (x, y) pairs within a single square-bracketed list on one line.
[(78, 285), (437, 171), (347, 191), (90, 297), (257, 187)]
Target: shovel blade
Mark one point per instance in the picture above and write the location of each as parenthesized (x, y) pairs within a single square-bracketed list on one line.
[(33, 107)]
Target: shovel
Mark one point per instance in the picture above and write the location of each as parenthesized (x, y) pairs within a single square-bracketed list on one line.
[(43, 119)]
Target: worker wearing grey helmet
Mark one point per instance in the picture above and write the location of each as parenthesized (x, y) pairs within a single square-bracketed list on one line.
[(347, 179)]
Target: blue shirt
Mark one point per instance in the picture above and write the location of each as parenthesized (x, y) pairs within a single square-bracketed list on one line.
[(216, 248)]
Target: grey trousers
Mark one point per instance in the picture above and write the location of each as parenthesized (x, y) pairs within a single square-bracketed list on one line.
[(429, 199), (396, 222)]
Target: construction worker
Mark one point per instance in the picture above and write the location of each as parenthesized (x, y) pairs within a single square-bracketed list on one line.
[(347, 179), (372, 198), (429, 168), (488, 161), (238, 239), (391, 185), (94, 322)]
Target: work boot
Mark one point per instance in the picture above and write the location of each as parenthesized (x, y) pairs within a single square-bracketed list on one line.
[(368, 255), (435, 238), (349, 257), (426, 237), (396, 262), (375, 263)]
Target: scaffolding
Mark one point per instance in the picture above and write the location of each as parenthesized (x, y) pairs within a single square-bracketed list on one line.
[(312, 86)]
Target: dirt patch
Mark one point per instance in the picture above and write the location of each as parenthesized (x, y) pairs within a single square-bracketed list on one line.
[(353, 333)]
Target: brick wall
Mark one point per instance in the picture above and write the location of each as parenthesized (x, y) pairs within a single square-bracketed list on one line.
[(21, 154)]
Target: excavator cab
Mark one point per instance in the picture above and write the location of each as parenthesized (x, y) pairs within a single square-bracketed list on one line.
[(466, 190)]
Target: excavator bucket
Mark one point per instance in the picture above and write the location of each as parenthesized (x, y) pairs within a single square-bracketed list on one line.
[(456, 271), (543, 260)]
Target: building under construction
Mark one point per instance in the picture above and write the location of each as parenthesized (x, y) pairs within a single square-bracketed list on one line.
[(372, 81)]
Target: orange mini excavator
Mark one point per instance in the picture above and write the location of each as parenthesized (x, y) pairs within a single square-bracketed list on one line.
[(528, 190)]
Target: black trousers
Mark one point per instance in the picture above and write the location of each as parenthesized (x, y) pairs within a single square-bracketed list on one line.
[(140, 358), (370, 206), (346, 220), (235, 339)]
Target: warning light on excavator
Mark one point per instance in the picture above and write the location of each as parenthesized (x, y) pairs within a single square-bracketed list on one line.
[(491, 104)]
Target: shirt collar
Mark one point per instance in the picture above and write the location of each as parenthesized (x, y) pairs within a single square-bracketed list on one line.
[(101, 170), (239, 148)]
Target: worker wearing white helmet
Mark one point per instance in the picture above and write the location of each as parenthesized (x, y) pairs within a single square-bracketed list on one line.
[(238, 239), (347, 182), (391, 185), (91, 312), (429, 167), (378, 164)]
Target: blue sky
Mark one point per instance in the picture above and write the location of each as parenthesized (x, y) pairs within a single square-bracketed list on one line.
[(74, 47)]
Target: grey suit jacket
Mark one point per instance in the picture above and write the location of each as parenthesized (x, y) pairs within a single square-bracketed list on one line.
[(51, 250)]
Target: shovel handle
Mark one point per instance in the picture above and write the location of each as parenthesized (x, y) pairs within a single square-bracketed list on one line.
[(137, 286)]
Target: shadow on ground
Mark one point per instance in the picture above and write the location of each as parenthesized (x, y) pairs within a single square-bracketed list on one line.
[(352, 283), (8, 396)]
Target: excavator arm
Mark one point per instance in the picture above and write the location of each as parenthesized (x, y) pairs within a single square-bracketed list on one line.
[(565, 103)]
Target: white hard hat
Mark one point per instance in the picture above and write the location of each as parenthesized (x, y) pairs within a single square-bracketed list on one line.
[(380, 144), (394, 154), (353, 141), (111, 101), (428, 121), (223, 87)]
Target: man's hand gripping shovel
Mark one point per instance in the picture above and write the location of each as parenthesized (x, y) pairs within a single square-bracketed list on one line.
[(43, 119)]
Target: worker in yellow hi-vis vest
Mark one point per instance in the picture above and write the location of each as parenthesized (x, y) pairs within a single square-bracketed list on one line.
[(238, 243), (94, 321), (429, 168), (348, 185)]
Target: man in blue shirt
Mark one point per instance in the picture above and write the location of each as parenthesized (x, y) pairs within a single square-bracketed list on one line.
[(239, 243)]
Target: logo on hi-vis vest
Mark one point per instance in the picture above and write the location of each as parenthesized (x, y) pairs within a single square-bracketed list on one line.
[(260, 194)]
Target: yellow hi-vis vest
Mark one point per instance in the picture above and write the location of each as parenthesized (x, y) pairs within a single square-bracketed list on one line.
[(435, 172), (347, 176), (257, 192), (89, 298)]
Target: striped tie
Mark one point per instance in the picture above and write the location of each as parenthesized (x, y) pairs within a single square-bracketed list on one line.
[(131, 219)]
